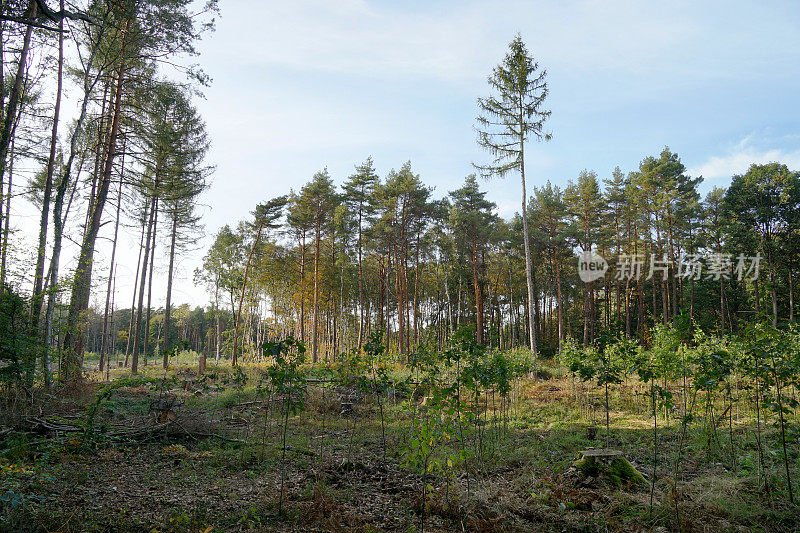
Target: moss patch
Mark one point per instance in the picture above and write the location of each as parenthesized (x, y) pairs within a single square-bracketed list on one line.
[(615, 470)]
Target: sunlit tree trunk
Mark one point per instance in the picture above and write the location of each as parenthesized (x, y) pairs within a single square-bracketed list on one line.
[(167, 311), (111, 270), (36, 296), (138, 321), (148, 311), (74, 338)]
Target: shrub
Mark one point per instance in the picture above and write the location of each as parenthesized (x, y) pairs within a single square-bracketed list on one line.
[(17, 346)]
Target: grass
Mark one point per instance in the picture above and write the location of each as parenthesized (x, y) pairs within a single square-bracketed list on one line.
[(522, 477)]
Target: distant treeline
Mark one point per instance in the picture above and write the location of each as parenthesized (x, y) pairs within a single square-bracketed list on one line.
[(330, 264)]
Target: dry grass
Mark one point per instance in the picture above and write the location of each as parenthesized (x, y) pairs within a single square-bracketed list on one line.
[(192, 476)]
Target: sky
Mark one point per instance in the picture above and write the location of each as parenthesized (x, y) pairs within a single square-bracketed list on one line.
[(304, 85)]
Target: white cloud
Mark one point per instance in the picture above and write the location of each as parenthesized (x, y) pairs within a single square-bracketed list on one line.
[(737, 161), (692, 41), (301, 85)]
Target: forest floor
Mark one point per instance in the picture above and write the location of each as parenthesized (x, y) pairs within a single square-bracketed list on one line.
[(184, 454)]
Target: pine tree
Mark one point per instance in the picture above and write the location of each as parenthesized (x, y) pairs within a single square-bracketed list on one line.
[(585, 206), (472, 221), (359, 198), (319, 199), (509, 119), (265, 216)]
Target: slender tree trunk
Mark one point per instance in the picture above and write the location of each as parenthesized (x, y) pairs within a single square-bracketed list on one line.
[(132, 324), (360, 282), (74, 338), (167, 311), (628, 308), (772, 287), (560, 303), (526, 237), (791, 296), (586, 314), (511, 307), (315, 319), (241, 296), (7, 228), (382, 296), (218, 340), (2, 98), (111, 271), (111, 344), (61, 190), (416, 293), (478, 298), (15, 95), (302, 288), (146, 343), (398, 287), (36, 297), (138, 321)]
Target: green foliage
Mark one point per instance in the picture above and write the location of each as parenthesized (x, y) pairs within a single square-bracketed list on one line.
[(515, 112), (350, 367), (18, 348), (285, 374), (712, 363), (604, 366), (664, 350)]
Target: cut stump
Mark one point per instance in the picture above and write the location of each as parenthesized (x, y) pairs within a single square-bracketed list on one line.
[(610, 465)]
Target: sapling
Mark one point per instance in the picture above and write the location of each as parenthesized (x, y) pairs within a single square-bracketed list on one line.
[(776, 362), (471, 377), (351, 370), (378, 382), (455, 353), (659, 396), (432, 430), (612, 363), (569, 354), (502, 379), (585, 364), (287, 381)]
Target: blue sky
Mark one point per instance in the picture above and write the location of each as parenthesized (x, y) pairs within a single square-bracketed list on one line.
[(299, 86), (303, 85)]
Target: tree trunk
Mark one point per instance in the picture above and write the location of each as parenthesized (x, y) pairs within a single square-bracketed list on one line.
[(398, 288), (218, 340), (14, 96), (6, 229), (61, 191), (132, 325), (360, 283), (528, 265), (586, 314), (241, 296), (478, 297), (167, 311), (111, 269), (75, 338), (138, 321), (315, 319), (302, 288), (560, 303), (150, 288), (36, 296), (791, 296)]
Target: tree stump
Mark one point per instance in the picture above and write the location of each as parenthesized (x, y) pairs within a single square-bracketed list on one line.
[(610, 465), (201, 364)]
